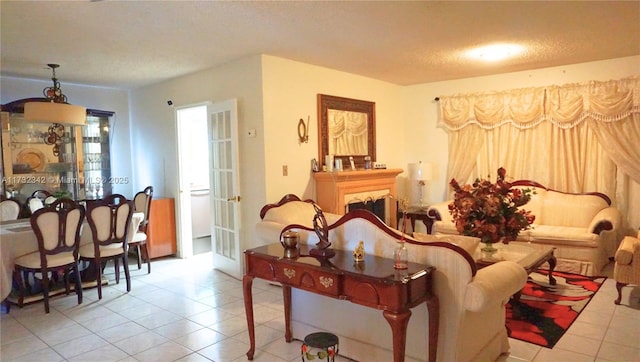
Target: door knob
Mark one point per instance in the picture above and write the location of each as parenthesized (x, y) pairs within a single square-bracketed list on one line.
[(235, 198)]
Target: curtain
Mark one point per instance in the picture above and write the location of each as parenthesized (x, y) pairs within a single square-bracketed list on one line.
[(573, 138)]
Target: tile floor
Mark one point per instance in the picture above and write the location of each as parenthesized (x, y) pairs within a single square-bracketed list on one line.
[(185, 311)]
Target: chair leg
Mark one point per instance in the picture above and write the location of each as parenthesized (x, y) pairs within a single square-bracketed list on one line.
[(125, 264), (76, 269), (45, 289), (67, 282), (99, 277), (139, 254), (146, 257), (619, 287), (25, 277), (116, 268), (17, 275)]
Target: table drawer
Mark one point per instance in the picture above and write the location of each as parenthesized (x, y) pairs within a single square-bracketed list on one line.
[(312, 280)]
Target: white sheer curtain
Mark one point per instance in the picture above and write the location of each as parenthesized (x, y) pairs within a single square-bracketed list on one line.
[(573, 138)]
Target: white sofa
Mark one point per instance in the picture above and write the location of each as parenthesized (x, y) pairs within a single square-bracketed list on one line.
[(472, 302), (584, 228)]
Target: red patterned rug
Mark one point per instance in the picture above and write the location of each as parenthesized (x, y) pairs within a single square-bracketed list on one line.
[(546, 311)]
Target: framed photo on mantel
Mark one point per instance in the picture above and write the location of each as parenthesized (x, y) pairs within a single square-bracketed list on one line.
[(346, 129)]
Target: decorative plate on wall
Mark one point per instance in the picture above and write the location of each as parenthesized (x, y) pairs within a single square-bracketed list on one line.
[(32, 157)]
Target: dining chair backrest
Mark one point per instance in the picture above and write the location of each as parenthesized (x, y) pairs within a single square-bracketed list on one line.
[(142, 201), (109, 220), (57, 228), (41, 194), (9, 210), (34, 204)]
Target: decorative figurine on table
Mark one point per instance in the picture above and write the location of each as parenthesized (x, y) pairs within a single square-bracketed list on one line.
[(358, 253), (322, 230)]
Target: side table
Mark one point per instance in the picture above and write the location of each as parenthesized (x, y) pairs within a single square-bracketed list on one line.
[(416, 213)]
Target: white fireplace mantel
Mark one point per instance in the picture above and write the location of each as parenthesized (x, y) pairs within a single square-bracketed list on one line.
[(334, 190)]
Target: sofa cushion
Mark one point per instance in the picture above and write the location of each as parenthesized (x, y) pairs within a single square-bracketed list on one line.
[(571, 210), (468, 243), (295, 212), (535, 204), (564, 235)]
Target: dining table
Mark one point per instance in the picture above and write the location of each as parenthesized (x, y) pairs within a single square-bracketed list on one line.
[(17, 238)]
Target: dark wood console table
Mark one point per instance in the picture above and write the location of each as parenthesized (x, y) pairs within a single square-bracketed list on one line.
[(374, 283)]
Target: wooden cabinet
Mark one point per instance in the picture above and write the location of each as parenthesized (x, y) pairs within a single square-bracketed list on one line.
[(77, 166), (161, 234)]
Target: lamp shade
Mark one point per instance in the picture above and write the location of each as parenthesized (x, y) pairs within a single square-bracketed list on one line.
[(51, 112)]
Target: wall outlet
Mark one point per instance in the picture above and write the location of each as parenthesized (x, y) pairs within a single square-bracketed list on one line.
[(285, 170)]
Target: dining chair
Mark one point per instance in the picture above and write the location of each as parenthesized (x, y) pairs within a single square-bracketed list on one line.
[(41, 194), (57, 228), (109, 220), (34, 204), (49, 200), (9, 210), (142, 202)]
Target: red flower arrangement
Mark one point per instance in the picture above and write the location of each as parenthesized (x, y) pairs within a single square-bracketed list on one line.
[(490, 211)]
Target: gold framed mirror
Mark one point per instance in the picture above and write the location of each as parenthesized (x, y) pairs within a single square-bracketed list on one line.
[(346, 128)]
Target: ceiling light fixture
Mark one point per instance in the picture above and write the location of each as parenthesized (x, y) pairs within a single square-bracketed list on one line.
[(54, 108), (495, 52)]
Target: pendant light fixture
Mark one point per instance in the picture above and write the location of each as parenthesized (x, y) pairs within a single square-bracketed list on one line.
[(55, 109)]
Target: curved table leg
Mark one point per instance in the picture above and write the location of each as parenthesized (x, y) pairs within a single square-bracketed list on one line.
[(398, 323), (433, 308), (247, 282)]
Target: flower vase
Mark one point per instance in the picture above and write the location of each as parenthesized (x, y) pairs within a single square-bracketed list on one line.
[(400, 256), (488, 252), (488, 247)]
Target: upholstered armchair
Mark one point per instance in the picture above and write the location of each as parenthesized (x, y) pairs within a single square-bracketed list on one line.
[(627, 267)]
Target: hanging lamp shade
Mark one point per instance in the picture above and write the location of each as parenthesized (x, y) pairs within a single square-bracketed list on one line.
[(54, 108), (51, 112)]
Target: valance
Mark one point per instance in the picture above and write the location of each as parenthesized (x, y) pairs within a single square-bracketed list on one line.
[(564, 106)]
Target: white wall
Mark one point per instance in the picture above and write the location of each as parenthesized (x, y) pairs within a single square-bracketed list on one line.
[(155, 139), (105, 99), (290, 93)]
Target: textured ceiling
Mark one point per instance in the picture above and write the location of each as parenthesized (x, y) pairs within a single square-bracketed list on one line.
[(128, 44)]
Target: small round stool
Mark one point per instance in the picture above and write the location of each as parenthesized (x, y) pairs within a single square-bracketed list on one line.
[(326, 342)]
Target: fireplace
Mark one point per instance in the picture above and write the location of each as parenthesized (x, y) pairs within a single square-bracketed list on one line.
[(378, 206), (335, 191)]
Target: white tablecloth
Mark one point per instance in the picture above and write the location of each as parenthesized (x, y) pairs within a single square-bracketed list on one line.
[(18, 239)]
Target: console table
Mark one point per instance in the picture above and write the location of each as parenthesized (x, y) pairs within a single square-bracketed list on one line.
[(373, 283)]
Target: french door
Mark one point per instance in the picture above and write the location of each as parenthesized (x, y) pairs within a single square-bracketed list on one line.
[(225, 193)]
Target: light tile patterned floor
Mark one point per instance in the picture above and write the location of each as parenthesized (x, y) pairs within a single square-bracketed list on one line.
[(185, 311)]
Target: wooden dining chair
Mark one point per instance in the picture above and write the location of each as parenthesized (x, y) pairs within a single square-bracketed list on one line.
[(109, 220), (57, 229), (142, 202)]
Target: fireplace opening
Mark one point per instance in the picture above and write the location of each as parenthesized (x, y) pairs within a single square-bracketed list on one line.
[(377, 206)]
